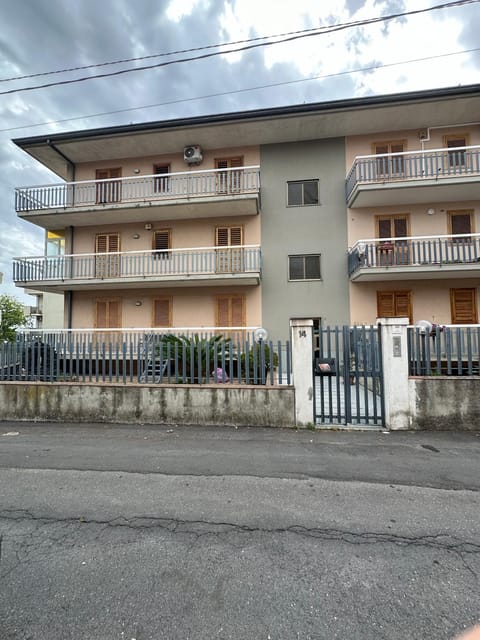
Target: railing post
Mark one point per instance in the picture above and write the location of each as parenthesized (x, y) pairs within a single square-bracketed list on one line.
[(395, 372), (302, 368)]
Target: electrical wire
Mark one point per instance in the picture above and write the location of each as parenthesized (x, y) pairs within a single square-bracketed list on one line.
[(236, 91), (289, 38)]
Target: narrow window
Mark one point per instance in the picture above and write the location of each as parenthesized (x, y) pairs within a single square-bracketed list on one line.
[(162, 244), (162, 312), (460, 225), (456, 157), (301, 193), (229, 181), (110, 190), (161, 184), (230, 311), (304, 267), (394, 304), (463, 304), (387, 164)]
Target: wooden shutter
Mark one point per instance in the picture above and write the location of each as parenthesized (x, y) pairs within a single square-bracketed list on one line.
[(394, 304), (384, 228), (230, 311), (463, 305), (229, 260), (162, 316), (108, 313), (107, 266), (460, 222)]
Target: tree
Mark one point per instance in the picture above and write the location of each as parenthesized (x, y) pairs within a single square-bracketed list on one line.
[(11, 317)]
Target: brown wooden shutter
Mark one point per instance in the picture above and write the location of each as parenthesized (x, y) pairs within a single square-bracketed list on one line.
[(107, 313), (222, 312), (392, 304), (400, 227), (237, 312), (236, 236), (461, 223), (397, 147), (384, 228), (463, 306), (162, 312), (385, 304), (222, 236)]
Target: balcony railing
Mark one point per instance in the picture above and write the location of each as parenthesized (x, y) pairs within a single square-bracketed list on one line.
[(171, 263), (436, 164), (415, 251), (153, 188)]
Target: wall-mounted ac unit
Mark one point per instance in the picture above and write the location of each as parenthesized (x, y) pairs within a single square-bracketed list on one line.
[(192, 154)]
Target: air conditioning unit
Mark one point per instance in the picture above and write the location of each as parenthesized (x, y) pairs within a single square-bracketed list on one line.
[(192, 154)]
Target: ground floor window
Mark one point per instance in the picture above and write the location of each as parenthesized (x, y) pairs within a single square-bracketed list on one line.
[(394, 304), (230, 311), (463, 305)]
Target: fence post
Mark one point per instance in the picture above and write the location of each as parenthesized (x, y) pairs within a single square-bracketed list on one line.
[(302, 369), (395, 372)]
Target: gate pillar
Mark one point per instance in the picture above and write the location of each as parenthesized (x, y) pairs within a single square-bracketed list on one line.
[(302, 358), (395, 372)]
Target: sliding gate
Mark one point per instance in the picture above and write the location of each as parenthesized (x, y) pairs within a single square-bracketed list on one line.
[(348, 378)]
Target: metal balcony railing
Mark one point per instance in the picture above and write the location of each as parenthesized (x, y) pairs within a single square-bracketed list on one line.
[(174, 263), (152, 188), (415, 251), (436, 164)]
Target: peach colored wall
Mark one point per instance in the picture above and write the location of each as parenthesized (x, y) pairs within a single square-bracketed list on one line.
[(86, 171), (184, 233), (362, 145), (361, 222), (190, 307), (430, 298)]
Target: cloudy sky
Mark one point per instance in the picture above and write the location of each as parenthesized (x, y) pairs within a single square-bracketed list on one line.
[(39, 36)]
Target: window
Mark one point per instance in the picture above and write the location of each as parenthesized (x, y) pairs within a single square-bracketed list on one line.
[(456, 159), (301, 193), (463, 305), (229, 260), (162, 312), (460, 222), (162, 244), (55, 243), (304, 267), (392, 251), (230, 311), (389, 165), (394, 304), (229, 181), (162, 183), (110, 191), (108, 313), (107, 266)]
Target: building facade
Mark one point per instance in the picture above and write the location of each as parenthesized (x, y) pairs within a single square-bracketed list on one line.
[(338, 211)]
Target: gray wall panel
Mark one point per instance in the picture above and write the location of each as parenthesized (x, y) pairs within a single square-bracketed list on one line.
[(302, 230)]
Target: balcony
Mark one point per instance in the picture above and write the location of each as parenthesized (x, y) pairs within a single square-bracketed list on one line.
[(184, 195), (202, 266), (417, 177), (415, 258)]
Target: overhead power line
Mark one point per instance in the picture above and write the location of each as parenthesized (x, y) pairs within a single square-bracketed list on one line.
[(236, 91), (288, 38)]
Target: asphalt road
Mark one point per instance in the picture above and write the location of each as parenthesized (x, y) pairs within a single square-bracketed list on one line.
[(198, 533)]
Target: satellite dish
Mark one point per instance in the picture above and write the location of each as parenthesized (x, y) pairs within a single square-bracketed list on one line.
[(260, 334), (424, 326)]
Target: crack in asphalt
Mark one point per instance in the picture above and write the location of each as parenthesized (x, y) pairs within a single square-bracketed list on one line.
[(442, 541)]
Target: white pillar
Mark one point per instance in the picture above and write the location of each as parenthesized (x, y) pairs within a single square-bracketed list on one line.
[(301, 332), (395, 372)]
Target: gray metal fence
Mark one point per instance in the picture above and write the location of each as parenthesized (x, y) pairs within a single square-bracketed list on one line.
[(452, 350), (235, 358)]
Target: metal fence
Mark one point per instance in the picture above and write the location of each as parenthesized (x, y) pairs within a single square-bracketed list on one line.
[(452, 350), (233, 357)]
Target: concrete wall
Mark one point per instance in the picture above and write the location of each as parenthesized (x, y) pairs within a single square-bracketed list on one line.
[(295, 230), (445, 403), (149, 404)]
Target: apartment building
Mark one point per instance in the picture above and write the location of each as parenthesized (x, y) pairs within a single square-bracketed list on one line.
[(335, 211)]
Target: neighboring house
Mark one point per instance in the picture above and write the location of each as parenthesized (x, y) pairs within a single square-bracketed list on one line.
[(243, 220), (47, 312)]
